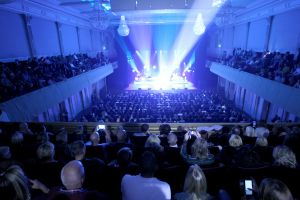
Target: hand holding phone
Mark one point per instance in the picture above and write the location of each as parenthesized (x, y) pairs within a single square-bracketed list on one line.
[(100, 127), (248, 187)]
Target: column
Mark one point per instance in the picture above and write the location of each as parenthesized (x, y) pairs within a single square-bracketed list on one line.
[(58, 28), (29, 35), (268, 32), (247, 37), (78, 39)]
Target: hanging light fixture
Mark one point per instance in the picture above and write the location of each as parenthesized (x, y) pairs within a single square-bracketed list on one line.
[(199, 27), (123, 29)]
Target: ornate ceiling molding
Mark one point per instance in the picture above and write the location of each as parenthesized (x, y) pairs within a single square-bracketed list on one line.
[(263, 9), (46, 10)]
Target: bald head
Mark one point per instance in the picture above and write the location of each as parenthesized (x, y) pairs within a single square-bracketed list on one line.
[(72, 175)]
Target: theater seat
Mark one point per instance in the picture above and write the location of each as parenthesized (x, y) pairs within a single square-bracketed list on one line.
[(215, 177)]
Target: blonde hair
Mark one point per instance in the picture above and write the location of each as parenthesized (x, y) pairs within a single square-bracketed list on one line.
[(152, 141), (284, 156), (235, 141), (200, 149), (261, 141), (14, 183), (274, 189), (195, 182)]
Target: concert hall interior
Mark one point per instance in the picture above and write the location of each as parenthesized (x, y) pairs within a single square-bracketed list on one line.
[(149, 99)]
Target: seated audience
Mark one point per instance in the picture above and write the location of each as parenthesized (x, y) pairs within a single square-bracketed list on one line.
[(145, 185), (284, 157), (292, 140), (46, 169), (263, 149), (153, 144), (231, 155), (273, 189), (172, 140), (199, 153), (94, 167), (118, 168), (195, 186), (144, 131), (72, 178), (6, 159), (167, 107), (112, 148), (272, 65), (20, 77), (62, 150), (14, 184)]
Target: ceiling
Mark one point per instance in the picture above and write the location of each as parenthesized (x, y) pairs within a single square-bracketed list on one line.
[(150, 11)]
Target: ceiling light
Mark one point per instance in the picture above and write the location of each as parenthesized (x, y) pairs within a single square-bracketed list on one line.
[(199, 27), (123, 29), (217, 3)]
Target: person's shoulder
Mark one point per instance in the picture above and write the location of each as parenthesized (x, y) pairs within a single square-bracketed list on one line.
[(95, 195), (182, 196), (163, 183), (128, 176)]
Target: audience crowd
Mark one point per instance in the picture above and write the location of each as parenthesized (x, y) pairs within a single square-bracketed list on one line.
[(281, 67), (163, 107), (20, 77), (110, 163)]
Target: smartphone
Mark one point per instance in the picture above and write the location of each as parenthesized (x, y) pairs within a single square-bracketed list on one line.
[(100, 127), (248, 187)]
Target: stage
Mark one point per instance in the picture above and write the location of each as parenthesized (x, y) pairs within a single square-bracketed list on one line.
[(160, 84)]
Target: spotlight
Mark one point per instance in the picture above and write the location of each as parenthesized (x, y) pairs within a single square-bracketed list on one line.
[(217, 3), (123, 29), (199, 26)]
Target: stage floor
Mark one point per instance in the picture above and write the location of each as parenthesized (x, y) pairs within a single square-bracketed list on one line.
[(156, 84)]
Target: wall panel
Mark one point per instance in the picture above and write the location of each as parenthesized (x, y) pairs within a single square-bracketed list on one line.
[(257, 35), (227, 43), (69, 39), (85, 40), (96, 41), (285, 34), (240, 36), (13, 38), (45, 37)]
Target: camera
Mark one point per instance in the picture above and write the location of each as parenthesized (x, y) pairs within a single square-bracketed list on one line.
[(100, 127)]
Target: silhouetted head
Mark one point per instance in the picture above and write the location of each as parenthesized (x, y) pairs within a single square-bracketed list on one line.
[(273, 189), (148, 164)]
